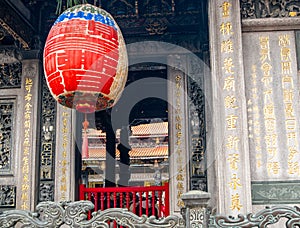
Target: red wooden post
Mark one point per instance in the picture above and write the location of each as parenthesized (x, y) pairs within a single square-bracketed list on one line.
[(115, 205), (127, 200), (147, 203), (108, 199), (167, 199), (102, 200), (153, 203), (96, 201), (90, 199), (121, 200), (134, 203), (141, 203), (81, 191), (159, 202), (115, 199)]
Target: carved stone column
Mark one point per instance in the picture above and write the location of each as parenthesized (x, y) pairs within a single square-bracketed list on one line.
[(65, 154), (27, 153), (229, 118), (195, 211), (179, 149)]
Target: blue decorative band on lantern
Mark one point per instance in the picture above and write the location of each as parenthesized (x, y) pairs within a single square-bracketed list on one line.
[(86, 16)]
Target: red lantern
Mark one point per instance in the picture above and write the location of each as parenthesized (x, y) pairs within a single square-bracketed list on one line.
[(85, 59)]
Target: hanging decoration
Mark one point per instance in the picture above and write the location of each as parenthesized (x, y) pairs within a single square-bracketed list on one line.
[(67, 3), (85, 142), (85, 59)]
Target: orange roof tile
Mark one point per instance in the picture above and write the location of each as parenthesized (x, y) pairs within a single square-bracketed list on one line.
[(150, 129), (159, 151), (155, 129)]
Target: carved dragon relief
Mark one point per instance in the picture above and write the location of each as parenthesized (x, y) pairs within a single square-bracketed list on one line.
[(269, 8), (74, 214)]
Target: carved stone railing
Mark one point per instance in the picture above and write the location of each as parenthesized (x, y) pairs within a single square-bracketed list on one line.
[(74, 214), (261, 219), (195, 214)]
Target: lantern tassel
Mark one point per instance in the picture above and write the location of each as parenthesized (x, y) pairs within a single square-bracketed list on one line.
[(69, 3), (85, 143), (59, 6)]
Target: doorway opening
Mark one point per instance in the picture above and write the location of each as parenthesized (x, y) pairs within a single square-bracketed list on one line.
[(142, 113)]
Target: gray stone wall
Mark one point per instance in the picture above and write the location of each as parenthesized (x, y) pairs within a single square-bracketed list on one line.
[(272, 92), (19, 95)]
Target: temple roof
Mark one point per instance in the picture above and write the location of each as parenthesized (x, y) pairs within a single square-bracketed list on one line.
[(140, 149), (149, 129), (160, 151)]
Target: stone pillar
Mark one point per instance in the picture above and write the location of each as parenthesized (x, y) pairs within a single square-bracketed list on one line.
[(179, 148), (26, 197), (230, 144), (195, 211), (65, 154)]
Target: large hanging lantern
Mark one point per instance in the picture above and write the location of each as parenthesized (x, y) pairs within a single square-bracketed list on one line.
[(85, 59)]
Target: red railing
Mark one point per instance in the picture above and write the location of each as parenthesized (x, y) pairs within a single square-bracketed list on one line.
[(152, 200)]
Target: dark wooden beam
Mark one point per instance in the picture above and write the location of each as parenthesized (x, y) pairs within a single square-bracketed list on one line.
[(17, 23)]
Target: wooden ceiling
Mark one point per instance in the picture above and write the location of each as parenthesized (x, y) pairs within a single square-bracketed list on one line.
[(182, 22), (26, 24)]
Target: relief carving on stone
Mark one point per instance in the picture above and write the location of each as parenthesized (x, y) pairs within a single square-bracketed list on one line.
[(197, 139), (197, 126), (7, 196), (197, 216), (10, 68), (281, 193), (10, 75), (269, 8), (263, 218), (47, 149), (275, 192), (29, 70), (6, 128), (46, 191), (74, 214)]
